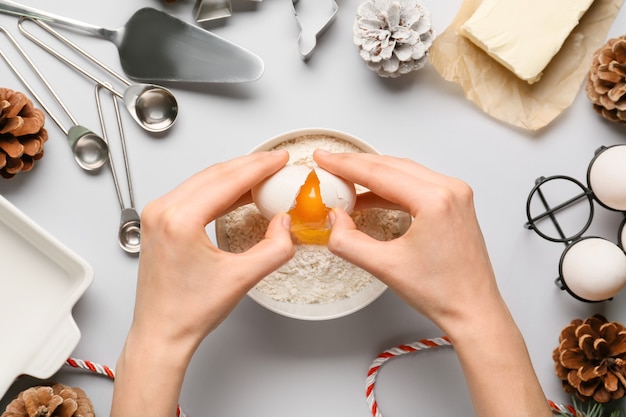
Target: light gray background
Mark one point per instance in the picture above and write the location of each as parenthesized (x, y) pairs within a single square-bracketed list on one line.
[(259, 363)]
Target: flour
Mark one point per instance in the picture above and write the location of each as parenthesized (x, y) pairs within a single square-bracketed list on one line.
[(314, 275)]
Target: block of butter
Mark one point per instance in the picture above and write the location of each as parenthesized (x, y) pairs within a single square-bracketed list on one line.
[(524, 35)]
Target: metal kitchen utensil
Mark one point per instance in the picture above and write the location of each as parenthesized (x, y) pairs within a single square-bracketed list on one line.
[(129, 235), (90, 150), (155, 46), (152, 106), (305, 15), (205, 10)]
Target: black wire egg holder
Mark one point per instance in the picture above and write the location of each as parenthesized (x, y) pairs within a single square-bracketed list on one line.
[(586, 194)]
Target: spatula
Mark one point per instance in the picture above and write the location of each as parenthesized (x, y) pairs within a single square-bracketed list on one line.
[(155, 46)]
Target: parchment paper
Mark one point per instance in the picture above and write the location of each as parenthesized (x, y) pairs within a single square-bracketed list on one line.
[(499, 93)]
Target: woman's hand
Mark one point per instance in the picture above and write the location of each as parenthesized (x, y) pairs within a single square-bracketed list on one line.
[(186, 285), (441, 268)]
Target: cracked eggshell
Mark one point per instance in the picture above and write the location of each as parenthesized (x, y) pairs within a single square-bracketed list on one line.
[(277, 193), (336, 192)]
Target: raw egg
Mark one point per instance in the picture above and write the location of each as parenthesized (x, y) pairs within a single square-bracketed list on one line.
[(307, 195)]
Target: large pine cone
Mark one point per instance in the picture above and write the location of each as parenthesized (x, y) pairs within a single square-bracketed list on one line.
[(57, 400), (591, 359), (606, 83), (22, 134)]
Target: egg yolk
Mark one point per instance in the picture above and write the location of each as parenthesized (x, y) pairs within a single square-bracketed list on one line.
[(309, 215)]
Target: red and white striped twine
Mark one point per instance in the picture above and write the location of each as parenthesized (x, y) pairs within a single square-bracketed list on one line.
[(96, 368), (400, 350), (372, 373)]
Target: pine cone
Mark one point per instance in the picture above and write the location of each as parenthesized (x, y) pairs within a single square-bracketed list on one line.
[(606, 82), (22, 134), (394, 36), (591, 359), (57, 400)]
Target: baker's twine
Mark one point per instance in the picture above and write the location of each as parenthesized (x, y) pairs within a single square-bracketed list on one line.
[(96, 368), (424, 344)]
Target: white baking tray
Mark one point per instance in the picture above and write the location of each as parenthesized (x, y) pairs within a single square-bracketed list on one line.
[(40, 281)]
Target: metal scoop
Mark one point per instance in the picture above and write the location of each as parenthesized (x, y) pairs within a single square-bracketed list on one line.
[(152, 106), (154, 46), (90, 150), (129, 235)]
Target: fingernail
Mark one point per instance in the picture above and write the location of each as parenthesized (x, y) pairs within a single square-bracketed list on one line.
[(332, 217), (286, 221), (278, 152), (322, 152)]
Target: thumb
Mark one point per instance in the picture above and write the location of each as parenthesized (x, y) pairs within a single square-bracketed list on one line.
[(356, 247), (275, 249)]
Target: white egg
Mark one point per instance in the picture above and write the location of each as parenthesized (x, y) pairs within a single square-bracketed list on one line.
[(277, 193), (594, 269), (607, 177)]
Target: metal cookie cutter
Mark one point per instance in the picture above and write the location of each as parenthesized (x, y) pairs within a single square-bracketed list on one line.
[(206, 10), (307, 39)]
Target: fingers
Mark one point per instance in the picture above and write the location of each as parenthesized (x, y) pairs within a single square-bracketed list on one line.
[(395, 180), (356, 165), (217, 188), (356, 247), (241, 201), (270, 253), (369, 200)]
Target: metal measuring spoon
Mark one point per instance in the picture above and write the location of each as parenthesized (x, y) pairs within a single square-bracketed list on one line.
[(129, 234), (152, 106), (90, 150)]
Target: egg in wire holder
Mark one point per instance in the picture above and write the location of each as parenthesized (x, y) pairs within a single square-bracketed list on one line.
[(591, 268)]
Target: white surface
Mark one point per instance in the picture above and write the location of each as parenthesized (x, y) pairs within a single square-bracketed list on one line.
[(40, 278), (258, 362)]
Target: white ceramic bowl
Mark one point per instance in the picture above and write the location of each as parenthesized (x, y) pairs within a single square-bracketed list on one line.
[(316, 311)]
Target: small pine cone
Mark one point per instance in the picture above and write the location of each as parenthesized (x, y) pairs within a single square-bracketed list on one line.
[(606, 82), (393, 36), (57, 400), (591, 359), (22, 134)]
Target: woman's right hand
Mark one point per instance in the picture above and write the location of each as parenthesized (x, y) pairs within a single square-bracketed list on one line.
[(441, 267)]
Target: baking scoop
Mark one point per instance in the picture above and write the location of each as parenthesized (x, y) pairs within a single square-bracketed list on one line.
[(155, 46), (152, 106)]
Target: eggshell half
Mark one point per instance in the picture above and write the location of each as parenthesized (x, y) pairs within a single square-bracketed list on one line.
[(277, 193), (336, 192)]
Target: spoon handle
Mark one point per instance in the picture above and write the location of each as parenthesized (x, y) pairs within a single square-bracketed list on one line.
[(16, 9)]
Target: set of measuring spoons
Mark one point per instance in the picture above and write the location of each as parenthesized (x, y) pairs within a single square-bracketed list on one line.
[(153, 107)]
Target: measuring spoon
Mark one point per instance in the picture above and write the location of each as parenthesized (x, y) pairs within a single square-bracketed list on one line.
[(152, 106), (129, 234), (90, 150)]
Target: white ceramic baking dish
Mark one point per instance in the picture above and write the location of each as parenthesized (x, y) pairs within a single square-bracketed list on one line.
[(40, 282)]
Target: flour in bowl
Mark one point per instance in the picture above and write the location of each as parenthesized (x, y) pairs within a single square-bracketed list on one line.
[(314, 275)]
